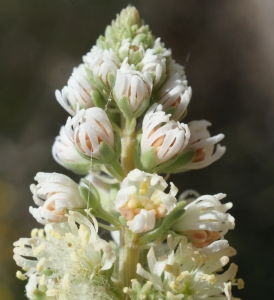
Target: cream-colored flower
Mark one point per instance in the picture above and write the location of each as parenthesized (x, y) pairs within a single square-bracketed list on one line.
[(187, 273), (175, 94), (132, 90), (67, 261), (168, 137), (77, 94), (141, 200), (88, 128), (54, 193), (66, 154), (206, 220)]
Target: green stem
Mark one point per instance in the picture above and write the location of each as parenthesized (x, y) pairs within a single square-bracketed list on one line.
[(116, 170), (101, 213), (128, 257)]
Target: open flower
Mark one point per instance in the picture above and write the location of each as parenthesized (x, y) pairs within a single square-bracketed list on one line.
[(205, 220), (65, 153), (132, 90), (189, 274), (77, 94), (174, 95), (167, 137), (54, 193), (66, 261), (141, 200), (88, 129)]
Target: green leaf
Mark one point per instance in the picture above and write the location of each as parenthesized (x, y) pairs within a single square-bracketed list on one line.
[(182, 160), (148, 159), (108, 155)]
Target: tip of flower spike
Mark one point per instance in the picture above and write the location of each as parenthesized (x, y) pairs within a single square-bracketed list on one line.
[(128, 17)]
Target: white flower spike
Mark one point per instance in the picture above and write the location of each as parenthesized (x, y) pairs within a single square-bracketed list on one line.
[(54, 193)]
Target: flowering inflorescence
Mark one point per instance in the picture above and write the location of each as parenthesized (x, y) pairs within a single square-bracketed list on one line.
[(127, 101)]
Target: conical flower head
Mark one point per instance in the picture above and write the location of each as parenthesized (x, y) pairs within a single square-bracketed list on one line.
[(88, 129)]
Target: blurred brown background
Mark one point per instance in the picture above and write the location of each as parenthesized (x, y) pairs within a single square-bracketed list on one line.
[(231, 71)]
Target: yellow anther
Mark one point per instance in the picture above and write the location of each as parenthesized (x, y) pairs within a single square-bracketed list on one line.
[(241, 283), (183, 276), (55, 234), (133, 202), (41, 233), (176, 286), (21, 276), (173, 269), (210, 278), (144, 187), (41, 264), (39, 249), (34, 232)]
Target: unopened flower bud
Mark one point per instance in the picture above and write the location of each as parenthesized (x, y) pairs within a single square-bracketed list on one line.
[(161, 136), (77, 94), (66, 154), (54, 193), (91, 132), (132, 90), (174, 95)]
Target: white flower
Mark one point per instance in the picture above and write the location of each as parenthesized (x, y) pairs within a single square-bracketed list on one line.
[(189, 274), (67, 260), (132, 90), (102, 63), (175, 68), (159, 47), (203, 144), (155, 64), (168, 138), (54, 193), (66, 154), (141, 200), (88, 128), (205, 220), (175, 94), (77, 94)]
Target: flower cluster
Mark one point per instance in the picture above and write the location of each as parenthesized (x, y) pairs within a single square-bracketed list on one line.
[(125, 135)]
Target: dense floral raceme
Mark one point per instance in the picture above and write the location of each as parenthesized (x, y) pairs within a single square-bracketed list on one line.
[(126, 133)]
